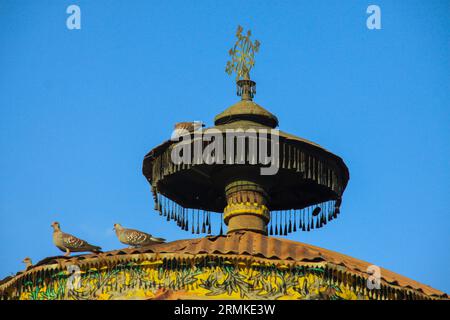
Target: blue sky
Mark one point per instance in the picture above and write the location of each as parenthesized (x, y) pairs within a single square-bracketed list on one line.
[(80, 109)]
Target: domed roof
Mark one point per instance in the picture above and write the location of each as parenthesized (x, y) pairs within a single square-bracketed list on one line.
[(247, 110), (242, 246)]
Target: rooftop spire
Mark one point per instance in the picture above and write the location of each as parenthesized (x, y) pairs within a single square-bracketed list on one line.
[(242, 61)]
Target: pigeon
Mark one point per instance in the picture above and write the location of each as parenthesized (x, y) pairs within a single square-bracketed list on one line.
[(27, 262), (68, 243), (182, 128), (135, 238)]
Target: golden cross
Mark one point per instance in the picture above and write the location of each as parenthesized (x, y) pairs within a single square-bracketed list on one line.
[(242, 55)]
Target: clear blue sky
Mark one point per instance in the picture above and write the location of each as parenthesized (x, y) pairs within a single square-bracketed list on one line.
[(79, 110)]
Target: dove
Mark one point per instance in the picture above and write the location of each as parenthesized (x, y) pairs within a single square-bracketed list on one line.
[(182, 128), (27, 262), (68, 243), (135, 238)]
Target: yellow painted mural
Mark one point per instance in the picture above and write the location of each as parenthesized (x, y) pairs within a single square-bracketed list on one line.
[(206, 280)]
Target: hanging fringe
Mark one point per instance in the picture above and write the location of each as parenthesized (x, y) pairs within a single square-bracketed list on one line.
[(293, 157), (282, 222), (313, 217), (209, 222), (196, 220), (300, 161)]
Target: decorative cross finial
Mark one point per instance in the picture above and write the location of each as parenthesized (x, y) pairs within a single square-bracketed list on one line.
[(242, 55)]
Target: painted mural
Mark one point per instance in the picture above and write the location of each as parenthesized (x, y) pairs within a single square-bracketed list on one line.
[(206, 280)]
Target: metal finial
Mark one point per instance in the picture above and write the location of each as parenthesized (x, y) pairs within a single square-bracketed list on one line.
[(242, 61), (242, 55)]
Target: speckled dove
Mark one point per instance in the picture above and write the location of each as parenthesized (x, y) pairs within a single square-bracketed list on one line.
[(27, 262), (182, 128), (135, 238), (68, 243)]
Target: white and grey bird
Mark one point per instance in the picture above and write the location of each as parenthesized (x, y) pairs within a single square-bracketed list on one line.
[(69, 243), (135, 238)]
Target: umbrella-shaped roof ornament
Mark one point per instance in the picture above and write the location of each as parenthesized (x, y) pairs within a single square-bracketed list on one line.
[(302, 192)]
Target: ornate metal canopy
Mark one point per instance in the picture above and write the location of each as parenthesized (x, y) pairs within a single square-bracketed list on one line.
[(304, 193)]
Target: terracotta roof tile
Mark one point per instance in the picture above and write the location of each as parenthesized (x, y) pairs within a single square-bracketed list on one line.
[(255, 245)]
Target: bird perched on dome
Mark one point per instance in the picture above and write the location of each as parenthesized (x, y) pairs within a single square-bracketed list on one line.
[(186, 127), (28, 263), (135, 238), (69, 243)]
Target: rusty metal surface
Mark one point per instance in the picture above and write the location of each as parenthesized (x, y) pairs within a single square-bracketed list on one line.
[(249, 244)]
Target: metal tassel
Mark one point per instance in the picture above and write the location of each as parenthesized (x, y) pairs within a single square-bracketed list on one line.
[(209, 222), (295, 220), (300, 220), (204, 223), (290, 222), (173, 210), (175, 217), (159, 204), (198, 221), (276, 223), (309, 219), (168, 209), (280, 223), (316, 211), (271, 223), (289, 160), (163, 206), (303, 220), (328, 205), (192, 222), (179, 216)]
